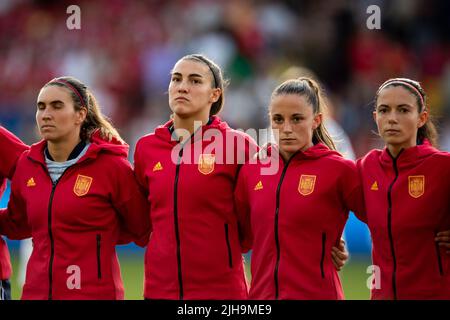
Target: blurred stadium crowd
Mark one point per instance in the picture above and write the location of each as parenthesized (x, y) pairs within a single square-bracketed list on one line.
[(125, 50)]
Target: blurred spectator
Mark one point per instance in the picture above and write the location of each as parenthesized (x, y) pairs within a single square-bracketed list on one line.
[(124, 50)]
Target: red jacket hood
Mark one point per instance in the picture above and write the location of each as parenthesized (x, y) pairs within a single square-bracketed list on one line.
[(318, 150), (409, 157), (163, 133), (98, 145)]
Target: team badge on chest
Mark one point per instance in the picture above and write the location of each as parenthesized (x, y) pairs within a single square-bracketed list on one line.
[(206, 163), (416, 186), (82, 185), (306, 184)]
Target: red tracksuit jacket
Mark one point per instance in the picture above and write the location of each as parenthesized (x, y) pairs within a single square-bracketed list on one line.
[(194, 250), (75, 223), (296, 216), (11, 148), (407, 201)]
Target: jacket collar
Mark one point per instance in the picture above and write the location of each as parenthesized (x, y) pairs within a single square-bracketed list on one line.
[(165, 132), (317, 151), (408, 157), (98, 145)]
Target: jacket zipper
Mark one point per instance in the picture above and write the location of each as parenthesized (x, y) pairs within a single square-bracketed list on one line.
[(441, 269), (230, 258), (49, 221), (324, 239), (175, 213), (52, 244), (391, 239), (177, 232), (99, 265), (50, 235), (277, 240)]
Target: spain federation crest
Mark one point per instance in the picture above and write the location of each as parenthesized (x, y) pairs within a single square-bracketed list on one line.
[(206, 163), (306, 184), (82, 185), (416, 186)]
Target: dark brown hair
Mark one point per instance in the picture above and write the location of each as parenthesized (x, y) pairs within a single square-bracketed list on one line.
[(428, 130), (218, 80)]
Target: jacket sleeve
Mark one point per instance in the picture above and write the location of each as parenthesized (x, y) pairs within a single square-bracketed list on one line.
[(2, 186), (242, 208), (13, 219), (11, 148), (130, 202), (353, 191), (139, 170), (250, 149)]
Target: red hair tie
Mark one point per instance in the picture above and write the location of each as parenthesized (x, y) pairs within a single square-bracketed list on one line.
[(406, 84), (71, 87)]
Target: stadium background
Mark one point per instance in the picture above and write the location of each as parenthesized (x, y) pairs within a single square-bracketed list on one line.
[(124, 52)]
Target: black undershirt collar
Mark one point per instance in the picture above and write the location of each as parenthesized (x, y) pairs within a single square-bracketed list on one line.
[(75, 152)]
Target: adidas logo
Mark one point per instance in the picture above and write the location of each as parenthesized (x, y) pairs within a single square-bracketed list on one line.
[(31, 183), (259, 186), (374, 186), (157, 167)]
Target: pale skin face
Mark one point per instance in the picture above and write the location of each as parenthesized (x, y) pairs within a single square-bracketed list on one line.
[(398, 119), (191, 93), (58, 121), (293, 122)]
